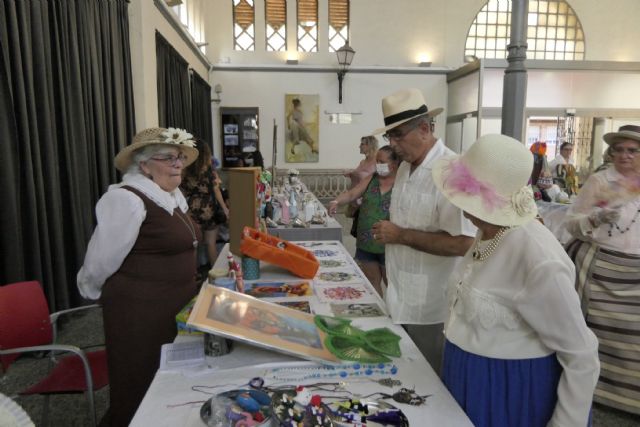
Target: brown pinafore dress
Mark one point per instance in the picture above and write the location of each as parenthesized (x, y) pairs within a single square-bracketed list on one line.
[(140, 302)]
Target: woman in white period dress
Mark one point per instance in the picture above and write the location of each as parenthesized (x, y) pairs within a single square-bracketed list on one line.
[(518, 351), (605, 222)]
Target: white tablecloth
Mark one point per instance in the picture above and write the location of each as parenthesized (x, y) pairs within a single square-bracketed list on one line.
[(171, 401)]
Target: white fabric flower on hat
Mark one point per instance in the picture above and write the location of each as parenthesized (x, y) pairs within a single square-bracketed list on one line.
[(293, 171), (178, 136), (523, 202)]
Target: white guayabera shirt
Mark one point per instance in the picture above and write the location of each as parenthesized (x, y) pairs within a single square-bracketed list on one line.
[(417, 280)]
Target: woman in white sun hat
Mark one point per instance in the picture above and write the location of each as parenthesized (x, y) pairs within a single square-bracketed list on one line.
[(605, 222), (141, 262), (517, 351)]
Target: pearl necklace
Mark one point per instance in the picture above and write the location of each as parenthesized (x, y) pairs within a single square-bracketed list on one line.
[(190, 227), (627, 228), (479, 255)]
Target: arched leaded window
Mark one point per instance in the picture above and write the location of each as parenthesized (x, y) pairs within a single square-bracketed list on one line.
[(243, 25), (553, 32)]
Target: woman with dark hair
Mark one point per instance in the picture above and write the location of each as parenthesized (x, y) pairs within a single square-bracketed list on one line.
[(201, 187), (375, 191)]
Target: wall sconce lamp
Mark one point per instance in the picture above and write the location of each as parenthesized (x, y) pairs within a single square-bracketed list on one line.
[(345, 56), (292, 58), (424, 60), (218, 90)]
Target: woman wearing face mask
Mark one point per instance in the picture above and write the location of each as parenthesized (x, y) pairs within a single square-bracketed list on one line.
[(375, 191)]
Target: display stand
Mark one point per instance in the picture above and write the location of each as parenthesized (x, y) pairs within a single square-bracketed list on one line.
[(243, 203)]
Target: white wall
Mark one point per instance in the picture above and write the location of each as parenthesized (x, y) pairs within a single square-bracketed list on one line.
[(144, 20), (362, 93), (386, 33), (393, 33), (569, 89)]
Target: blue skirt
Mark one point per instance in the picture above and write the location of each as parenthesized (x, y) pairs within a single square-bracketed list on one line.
[(502, 392)]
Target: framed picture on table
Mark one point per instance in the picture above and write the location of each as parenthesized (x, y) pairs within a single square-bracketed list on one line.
[(258, 322)]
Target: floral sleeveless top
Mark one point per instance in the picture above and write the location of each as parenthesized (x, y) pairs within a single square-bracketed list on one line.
[(374, 208)]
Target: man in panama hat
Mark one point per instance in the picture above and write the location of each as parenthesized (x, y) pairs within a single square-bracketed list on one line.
[(426, 234)]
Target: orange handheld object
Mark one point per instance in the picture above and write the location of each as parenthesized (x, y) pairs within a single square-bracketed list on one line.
[(276, 251)]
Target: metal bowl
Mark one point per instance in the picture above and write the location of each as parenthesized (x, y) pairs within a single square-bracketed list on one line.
[(214, 411)]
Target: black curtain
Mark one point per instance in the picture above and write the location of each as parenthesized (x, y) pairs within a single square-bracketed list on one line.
[(66, 108), (201, 125), (174, 105)]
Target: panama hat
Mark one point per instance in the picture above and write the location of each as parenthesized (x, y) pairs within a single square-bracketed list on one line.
[(403, 106), (624, 132), (489, 181), (172, 137)]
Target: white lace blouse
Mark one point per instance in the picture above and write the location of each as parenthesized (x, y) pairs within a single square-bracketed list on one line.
[(520, 303), (120, 213)]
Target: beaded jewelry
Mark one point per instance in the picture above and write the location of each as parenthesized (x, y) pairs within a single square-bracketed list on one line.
[(479, 255), (330, 371), (611, 226)]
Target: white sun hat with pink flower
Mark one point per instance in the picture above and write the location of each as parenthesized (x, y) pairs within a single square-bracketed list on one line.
[(490, 181)]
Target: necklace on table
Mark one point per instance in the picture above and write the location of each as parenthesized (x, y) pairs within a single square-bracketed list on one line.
[(481, 255), (189, 226), (622, 231)]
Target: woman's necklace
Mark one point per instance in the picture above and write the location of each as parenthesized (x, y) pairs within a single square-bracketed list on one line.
[(189, 226), (627, 228), (481, 255)]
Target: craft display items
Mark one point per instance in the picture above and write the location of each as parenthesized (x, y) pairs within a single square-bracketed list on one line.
[(282, 253), (298, 374), (627, 228), (238, 408), (300, 408), (235, 271)]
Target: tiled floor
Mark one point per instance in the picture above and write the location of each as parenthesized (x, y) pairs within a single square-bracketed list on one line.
[(71, 411)]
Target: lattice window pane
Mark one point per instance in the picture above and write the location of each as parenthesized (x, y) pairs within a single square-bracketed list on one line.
[(276, 25), (553, 32), (243, 25), (307, 25), (338, 24)]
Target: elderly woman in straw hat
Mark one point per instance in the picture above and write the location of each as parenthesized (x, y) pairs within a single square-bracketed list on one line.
[(605, 223), (141, 261), (517, 351)]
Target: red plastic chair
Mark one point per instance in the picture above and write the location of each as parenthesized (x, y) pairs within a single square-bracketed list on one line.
[(27, 326)]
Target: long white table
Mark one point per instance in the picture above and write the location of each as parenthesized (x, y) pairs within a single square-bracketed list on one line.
[(171, 400)]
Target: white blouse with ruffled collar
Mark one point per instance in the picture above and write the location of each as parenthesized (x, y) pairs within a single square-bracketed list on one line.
[(119, 214)]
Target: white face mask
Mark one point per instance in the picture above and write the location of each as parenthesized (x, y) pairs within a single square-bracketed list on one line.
[(382, 169)]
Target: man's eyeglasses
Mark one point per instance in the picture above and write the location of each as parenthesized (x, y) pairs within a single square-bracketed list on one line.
[(170, 159), (628, 150), (398, 134)]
